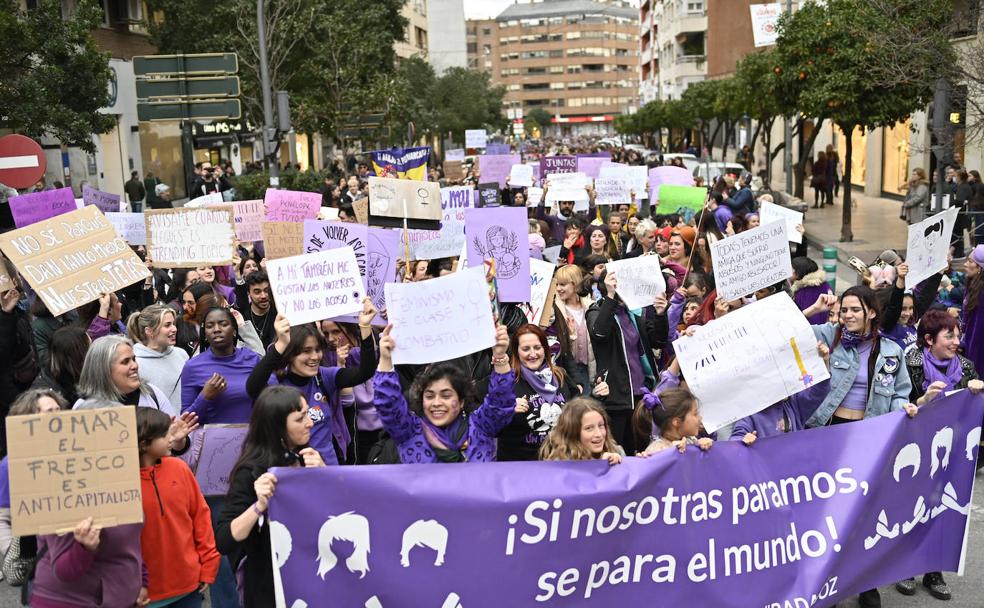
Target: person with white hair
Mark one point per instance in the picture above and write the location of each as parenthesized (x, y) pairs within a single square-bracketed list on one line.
[(162, 197)]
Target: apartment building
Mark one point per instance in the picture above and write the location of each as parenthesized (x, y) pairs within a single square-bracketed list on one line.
[(672, 47), (416, 40)]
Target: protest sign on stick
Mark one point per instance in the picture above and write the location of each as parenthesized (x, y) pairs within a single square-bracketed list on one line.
[(316, 286), (673, 197), (751, 260), (290, 205), (282, 239), (67, 466), (183, 238), (31, 208), (771, 212), (640, 280), (391, 201), (769, 340), (928, 246), (440, 319), (107, 203), (71, 259)]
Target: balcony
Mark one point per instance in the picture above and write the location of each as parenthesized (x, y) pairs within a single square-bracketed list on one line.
[(646, 55)]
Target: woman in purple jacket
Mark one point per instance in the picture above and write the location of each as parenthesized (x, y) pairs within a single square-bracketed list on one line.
[(435, 427), (808, 283)]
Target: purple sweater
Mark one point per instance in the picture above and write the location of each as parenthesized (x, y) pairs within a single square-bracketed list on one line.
[(484, 424), (233, 405), (69, 575)]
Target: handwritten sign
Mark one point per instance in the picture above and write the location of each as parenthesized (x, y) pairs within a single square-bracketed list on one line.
[(453, 170), (455, 154), (182, 238), (130, 226), (32, 208), (361, 208), (390, 200), (928, 245), (541, 285), (534, 196), (206, 200), (489, 195), (640, 280), (568, 187), (558, 164), (248, 215), (70, 259), (521, 176), (282, 239), (442, 318), (67, 466), (634, 178), (497, 167), (475, 138), (769, 340), (611, 191), (107, 203), (751, 260), (220, 448), (291, 206), (673, 197), (316, 286), (771, 212), (448, 241)]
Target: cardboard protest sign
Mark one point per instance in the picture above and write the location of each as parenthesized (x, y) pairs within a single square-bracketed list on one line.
[(220, 448), (455, 154), (448, 241), (489, 195), (674, 176), (32, 208), (497, 167), (500, 234), (248, 215), (475, 138), (611, 191), (183, 238), (392, 200), (751, 260), (72, 258), (771, 212), (440, 319), (672, 198), (291, 206), (107, 203), (316, 286), (541, 285), (521, 176), (928, 246), (640, 280), (206, 200), (769, 340), (282, 239), (454, 170), (6, 275), (558, 164), (130, 226), (361, 208), (534, 196), (67, 466)]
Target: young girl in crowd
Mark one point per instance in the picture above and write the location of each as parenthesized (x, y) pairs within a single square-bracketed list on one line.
[(343, 351), (279, 435), (295, 360), (674, 412), (177, 542), (581, 433), (570, 308), (542, 389), (154, 335), (435, 427)]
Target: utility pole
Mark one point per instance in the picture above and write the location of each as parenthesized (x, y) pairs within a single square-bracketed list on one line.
[(787, 152), (270, 147)]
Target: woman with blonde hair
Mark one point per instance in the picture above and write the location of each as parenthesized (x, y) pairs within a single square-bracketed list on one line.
[(916, 197), (154, 333), (581, 433), (570, 306)]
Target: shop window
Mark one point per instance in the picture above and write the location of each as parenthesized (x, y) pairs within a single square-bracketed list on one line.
[(895, 157)]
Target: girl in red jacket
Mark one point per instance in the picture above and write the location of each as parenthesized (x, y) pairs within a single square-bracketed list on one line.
[(177, 540)]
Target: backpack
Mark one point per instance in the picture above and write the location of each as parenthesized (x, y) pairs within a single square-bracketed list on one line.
[(384, 451)]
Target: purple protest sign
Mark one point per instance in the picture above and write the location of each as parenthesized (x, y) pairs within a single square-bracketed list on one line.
[(496, 167), (219, 449), (805, 519), (674, 176), (500, 233), (106, 202), (31, 208), (557, 164), (291, 206), (590, 164), (498, 148)]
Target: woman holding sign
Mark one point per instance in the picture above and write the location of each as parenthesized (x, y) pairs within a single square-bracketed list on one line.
[(296, 360), (435, 427)]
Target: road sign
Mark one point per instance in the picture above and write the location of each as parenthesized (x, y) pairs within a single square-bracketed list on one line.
[(222, 109), (22, 161), (174, 65), (218, 86)]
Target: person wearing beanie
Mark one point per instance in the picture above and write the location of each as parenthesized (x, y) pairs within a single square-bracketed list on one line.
[(973, 308)]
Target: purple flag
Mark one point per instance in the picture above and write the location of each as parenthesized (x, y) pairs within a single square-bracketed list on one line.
[(557, 164), (106, 202), (805, 519), (500, 233), (674, 176), (32, 208), (496, 167)]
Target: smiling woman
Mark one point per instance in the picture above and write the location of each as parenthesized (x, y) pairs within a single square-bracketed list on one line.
[(154, 334), (110, 373)]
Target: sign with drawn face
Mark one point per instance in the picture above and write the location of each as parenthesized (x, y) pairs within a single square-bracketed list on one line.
[(928, 245), (392, 200), (500, 233)]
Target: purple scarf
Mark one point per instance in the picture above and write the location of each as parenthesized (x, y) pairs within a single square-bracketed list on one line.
[(931, 371), (851, 339), (542, 382), (448, 443)]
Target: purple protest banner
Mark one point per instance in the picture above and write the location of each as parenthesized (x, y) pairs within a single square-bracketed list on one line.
[(496, 167), (804, 519), (590, 164), (291, 206), (674, 176), (31, 208), (557, 164), (500, 233), (106, 202)]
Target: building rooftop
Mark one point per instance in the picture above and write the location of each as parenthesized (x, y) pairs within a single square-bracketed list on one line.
[(554, 8)]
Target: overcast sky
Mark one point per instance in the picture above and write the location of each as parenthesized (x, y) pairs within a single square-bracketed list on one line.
[(484, 9)]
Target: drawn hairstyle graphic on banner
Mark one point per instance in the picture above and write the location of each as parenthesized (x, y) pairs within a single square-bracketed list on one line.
[(424, 533), (350, 527), (501, 244)]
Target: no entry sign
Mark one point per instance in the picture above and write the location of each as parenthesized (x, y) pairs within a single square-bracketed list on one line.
[(22, 161)]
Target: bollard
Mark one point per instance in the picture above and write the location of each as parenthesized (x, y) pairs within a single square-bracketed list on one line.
[(830, 266)]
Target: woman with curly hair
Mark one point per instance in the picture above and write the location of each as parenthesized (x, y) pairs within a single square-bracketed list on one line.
[(581, 433)]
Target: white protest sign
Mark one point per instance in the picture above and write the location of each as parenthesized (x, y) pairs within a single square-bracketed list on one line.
[(541, 275), (611, 191), (130, 226), (751, 260), (769, 340), (440, 319), (215, 198), (639, 279), (551, 254), (521, 176), (475, 138), (455, 154), (316, 286), (771, 212), (185, 238), (568, 187), (634, 177), (928, 245), (534, 196)]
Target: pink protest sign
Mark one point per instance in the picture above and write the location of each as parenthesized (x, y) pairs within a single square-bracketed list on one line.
[(673, 176), (106, 202), (249, 217), (496, 167), (291, 206), (31, 208)]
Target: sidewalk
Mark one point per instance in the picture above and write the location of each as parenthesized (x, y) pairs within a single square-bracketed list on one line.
[(874, 221)]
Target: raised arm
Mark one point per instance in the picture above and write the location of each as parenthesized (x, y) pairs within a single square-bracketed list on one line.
[(349, 377), (500, 401)]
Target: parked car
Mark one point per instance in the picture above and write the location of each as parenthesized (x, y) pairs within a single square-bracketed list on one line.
[(690, 161), (710, 171)]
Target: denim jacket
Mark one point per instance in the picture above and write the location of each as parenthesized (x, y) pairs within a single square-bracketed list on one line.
[(890, 385)]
